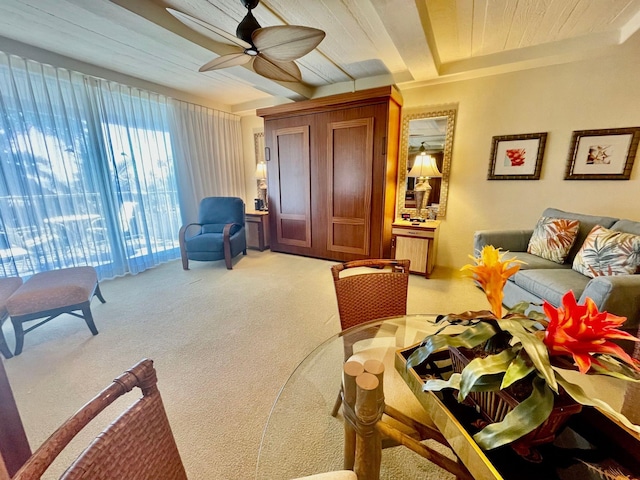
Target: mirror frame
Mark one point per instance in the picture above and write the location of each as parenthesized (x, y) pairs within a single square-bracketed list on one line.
[(258, 145), (401, 188)]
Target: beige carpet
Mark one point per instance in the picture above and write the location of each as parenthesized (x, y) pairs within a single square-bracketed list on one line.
[(223, 342)]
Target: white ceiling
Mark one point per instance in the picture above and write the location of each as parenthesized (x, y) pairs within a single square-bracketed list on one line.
[(368, 43)]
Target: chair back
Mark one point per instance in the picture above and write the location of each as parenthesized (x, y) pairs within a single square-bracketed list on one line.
[(221, 211), (367, 296), (138, 445)]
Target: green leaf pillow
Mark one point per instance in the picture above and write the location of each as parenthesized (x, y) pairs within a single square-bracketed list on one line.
[(553, 238), (608, 252)]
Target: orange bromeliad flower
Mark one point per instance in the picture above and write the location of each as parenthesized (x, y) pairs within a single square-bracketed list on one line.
[(581, 331), (491, 272)]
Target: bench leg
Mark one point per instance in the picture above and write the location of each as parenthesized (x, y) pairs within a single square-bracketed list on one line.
[(88, 318), (4, 348), (98, 293), (19, 331)]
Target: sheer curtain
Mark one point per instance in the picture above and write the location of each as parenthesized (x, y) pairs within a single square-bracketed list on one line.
[(207, 146), (86, 173)]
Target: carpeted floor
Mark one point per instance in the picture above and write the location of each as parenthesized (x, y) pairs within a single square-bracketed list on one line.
[(223, 343)]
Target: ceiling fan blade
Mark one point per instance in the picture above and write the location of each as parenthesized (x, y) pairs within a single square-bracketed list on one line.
[(284, 43), (208, 29), (230, 60), (281, 71)]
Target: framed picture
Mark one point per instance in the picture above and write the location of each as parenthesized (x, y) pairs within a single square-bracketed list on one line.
[(602, 154), (517, 157)]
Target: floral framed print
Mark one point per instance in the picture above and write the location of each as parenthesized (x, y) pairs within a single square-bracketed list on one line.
[(602, 154), (517, 157)]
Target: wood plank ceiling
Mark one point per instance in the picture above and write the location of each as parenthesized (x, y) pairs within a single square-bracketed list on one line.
[(368, 43)]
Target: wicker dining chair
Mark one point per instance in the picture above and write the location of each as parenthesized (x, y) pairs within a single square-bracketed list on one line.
[(138, 445), (368, 296)]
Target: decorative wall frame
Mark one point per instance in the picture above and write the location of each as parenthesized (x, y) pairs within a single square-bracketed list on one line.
[(258, 145), (517, 157), (602, 154)]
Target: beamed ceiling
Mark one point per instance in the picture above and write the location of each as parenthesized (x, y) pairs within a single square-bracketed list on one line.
[(368, 43)]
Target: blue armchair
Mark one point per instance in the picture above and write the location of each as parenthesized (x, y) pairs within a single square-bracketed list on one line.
[(221, 233)]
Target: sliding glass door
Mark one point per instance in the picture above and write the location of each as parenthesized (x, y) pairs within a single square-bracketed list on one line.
[(86, 173)]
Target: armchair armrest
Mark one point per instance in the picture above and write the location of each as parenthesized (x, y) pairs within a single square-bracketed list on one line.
[(618, 294), (511, 240), (181, 240), (226, 242)]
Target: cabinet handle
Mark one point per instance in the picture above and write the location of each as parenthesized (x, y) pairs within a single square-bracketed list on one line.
[(384, 145), (267, 154)]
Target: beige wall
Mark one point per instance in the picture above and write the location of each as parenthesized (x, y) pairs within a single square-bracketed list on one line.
[(600, 93)]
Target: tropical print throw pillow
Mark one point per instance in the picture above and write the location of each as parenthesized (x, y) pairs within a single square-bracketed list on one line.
[(607, 252), (553, 238)]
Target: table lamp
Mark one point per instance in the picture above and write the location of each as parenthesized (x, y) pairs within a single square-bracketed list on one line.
[(424, 168), (261, 176)]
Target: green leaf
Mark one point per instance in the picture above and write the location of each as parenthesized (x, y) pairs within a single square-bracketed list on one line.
[(470, 338), (535, 348), (524, 418), (488, 383), (607, 365), (519, 369), (577, 393), (436, 384), (520, 307), (480, 367)]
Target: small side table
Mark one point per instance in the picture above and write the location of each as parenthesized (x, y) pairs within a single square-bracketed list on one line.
[(418, 243), (257, 224)]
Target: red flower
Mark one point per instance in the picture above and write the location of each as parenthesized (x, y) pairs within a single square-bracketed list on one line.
[(581, 331)]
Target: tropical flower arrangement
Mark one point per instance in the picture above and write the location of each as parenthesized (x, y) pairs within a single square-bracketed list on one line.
[(531, 347)]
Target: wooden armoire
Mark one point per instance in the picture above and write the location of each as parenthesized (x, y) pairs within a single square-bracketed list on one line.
[(332, 170)]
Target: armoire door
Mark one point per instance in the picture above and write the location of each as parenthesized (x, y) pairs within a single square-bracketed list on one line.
[(349, 185), (289, 188)]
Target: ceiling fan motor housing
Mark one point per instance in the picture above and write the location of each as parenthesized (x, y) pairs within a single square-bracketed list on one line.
[(250, 4), (246, 27)]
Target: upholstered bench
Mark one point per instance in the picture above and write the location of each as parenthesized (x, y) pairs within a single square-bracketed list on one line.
[(49, 294), (7, 287)]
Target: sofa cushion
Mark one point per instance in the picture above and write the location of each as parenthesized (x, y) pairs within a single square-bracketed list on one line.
[(587, 222), (551, 284), (608, 252), (628, 226), (553, 238), (533, 262)]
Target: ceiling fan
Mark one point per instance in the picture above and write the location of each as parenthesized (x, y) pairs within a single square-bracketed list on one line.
[(271, 49)]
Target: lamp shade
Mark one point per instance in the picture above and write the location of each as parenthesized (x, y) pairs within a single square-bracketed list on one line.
[(261, 171), (424, 166)]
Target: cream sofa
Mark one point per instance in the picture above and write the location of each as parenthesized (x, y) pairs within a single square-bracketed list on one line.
[(541, 279)]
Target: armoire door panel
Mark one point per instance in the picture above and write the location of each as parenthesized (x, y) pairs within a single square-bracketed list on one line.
[(291, 180), (350, 237), (350, 176)]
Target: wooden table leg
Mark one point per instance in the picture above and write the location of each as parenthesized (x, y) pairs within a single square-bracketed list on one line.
[(368, 439), (351, 370)]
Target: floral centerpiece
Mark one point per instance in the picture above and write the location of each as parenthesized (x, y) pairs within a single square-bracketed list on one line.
[(528, 349)]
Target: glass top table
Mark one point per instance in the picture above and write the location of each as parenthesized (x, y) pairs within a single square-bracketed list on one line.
[(302, 438)]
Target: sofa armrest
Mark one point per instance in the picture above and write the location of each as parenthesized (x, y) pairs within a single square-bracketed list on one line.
[(618, 294), (511, 240)]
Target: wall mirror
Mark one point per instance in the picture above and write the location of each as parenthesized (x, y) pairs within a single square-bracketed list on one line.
[(430, 132)]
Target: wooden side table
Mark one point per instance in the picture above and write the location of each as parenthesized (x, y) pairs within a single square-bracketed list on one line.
[(257, 225), (418, 243)]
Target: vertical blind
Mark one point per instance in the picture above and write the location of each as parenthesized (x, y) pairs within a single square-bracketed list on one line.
[(88, 171)]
